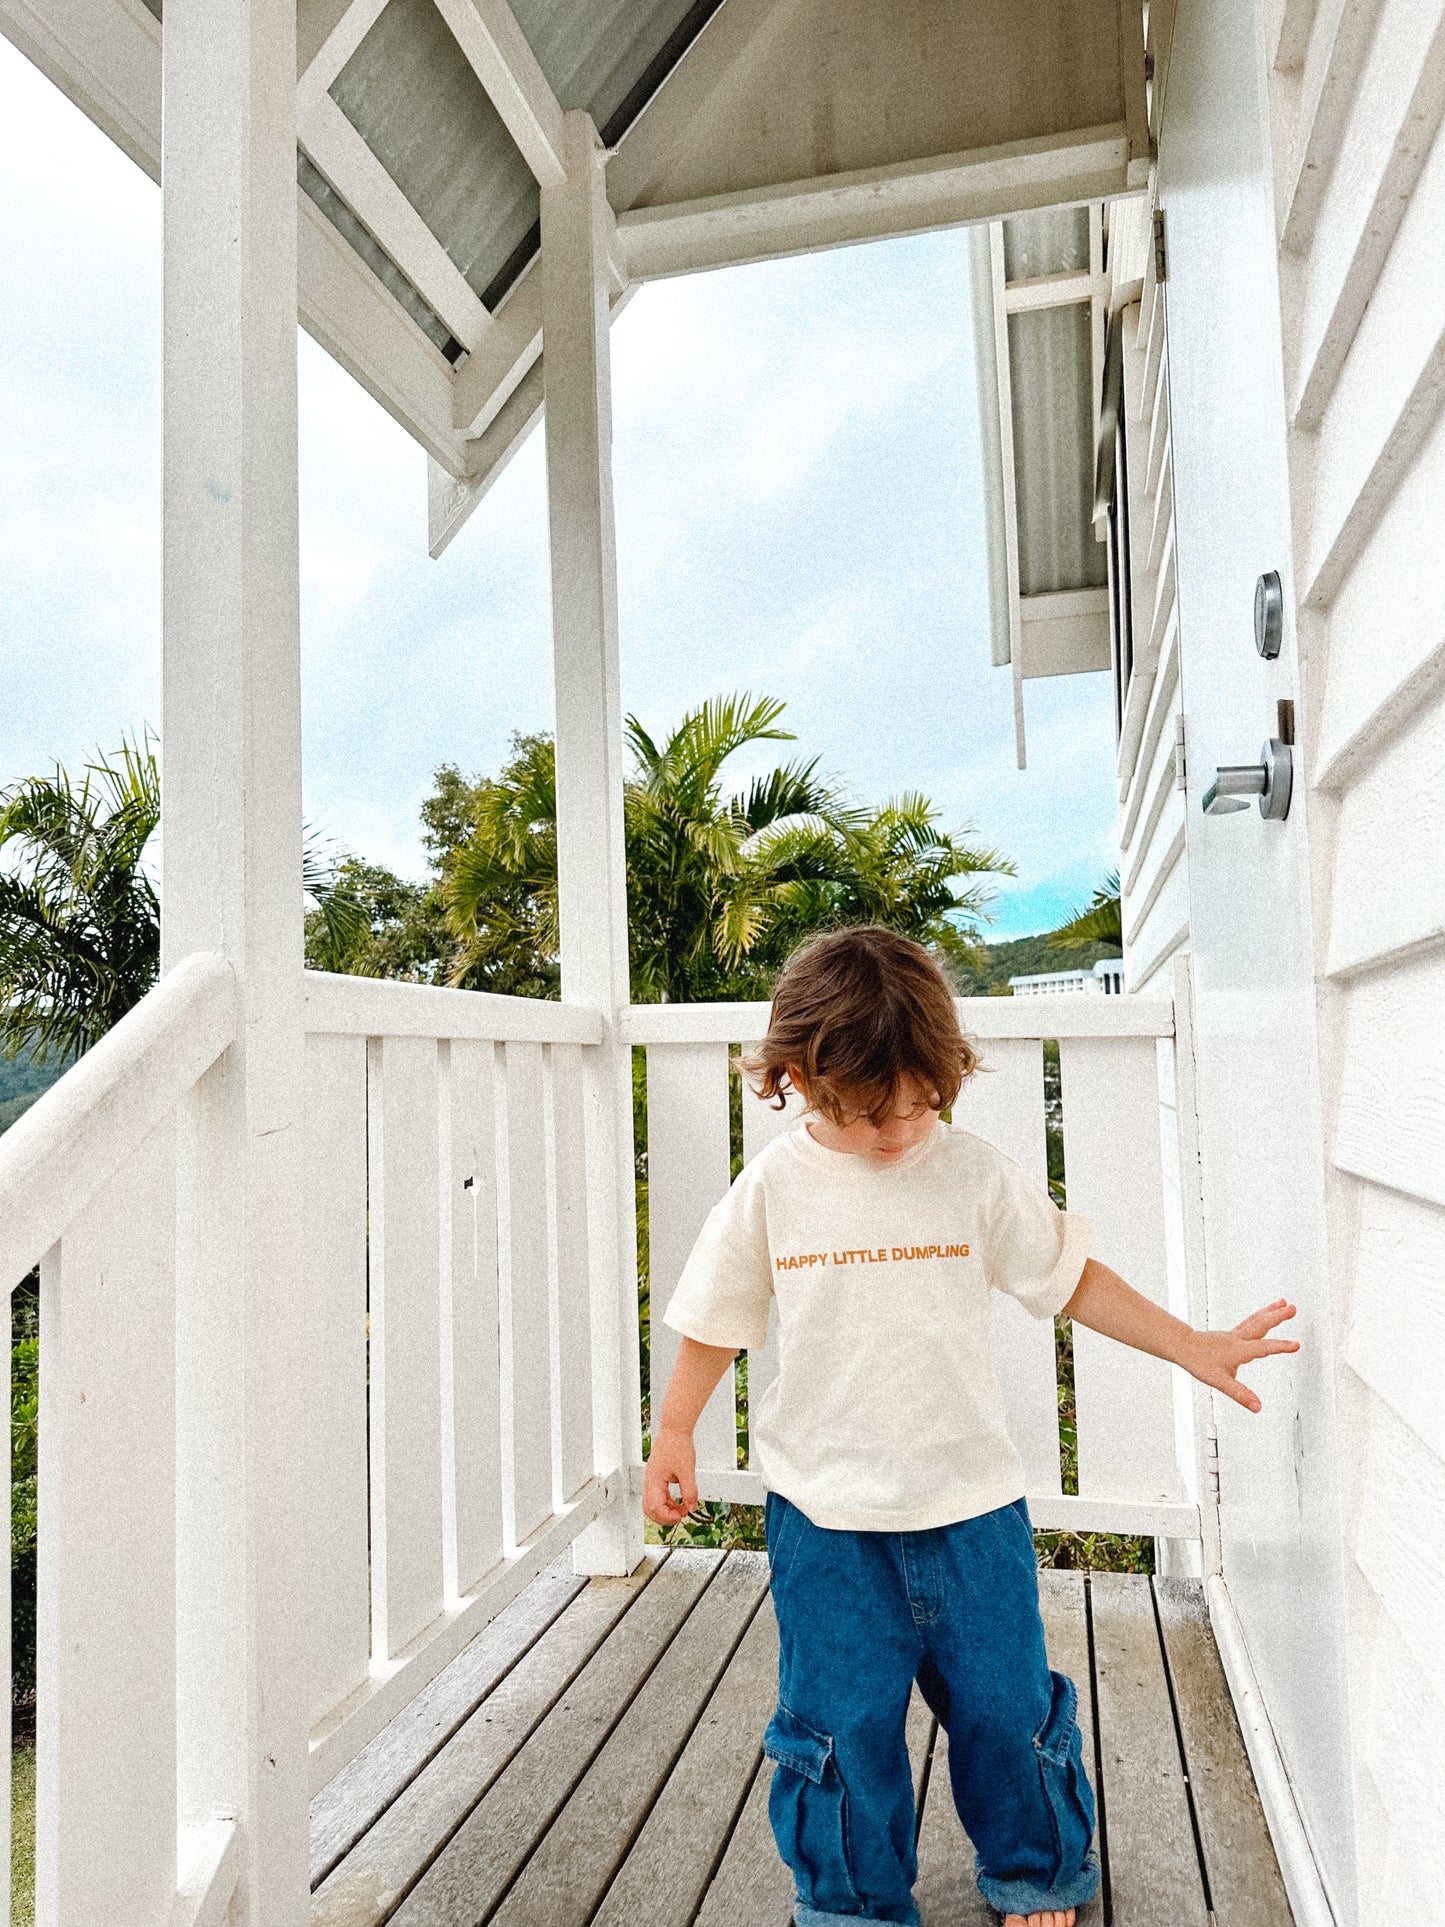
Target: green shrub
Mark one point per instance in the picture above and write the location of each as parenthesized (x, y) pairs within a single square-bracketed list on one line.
[(24, 1436)]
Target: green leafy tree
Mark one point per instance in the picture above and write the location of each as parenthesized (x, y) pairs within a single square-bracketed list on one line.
[(80, 931), (1101, 920), (721, 884), (499, 878), (369, 922), (79, 919), (893, 865)]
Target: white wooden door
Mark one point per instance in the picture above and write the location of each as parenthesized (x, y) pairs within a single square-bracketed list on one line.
[(1261, 1120)]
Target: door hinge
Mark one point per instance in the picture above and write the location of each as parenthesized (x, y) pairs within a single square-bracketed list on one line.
[(1211, 1467), (1161, 261), (1180, 765)]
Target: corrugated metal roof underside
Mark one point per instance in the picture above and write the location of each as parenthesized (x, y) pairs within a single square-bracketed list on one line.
[(1053, 241), (410, 93), (1051, 371), (1051, 376), (320, 190)]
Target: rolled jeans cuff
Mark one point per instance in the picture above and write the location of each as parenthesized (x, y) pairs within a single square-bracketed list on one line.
[(1028, 1897), (812, 1917)]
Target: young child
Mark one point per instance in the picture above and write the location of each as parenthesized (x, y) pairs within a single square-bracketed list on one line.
[(899, 1541)]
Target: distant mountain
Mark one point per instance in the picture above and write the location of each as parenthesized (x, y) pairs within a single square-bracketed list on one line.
[(21, 1082), (1024, 957)]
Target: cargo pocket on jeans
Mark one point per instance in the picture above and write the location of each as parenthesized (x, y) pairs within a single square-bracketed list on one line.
[(808, 1809), (1060, 1748)]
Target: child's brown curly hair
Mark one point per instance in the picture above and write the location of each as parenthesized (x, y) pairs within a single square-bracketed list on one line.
[(856, 1011)]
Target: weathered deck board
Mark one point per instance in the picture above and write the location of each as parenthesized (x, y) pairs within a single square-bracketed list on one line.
[(666, 1873), (1154, 1870), (1065, 1613), (752, 1887), (566, 1877), (1244, 1879), (947, 1895), (611, 1773), (362, 1791), (386, 1862), (469, 1878)]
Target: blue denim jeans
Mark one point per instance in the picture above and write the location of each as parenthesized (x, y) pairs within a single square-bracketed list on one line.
[(861, 1615)]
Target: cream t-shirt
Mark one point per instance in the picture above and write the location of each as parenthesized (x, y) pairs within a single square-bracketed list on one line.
[(886, 1413)]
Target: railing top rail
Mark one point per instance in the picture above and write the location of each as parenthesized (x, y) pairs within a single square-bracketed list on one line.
[(381, 1007), (80, 1132), (1067, 1015)]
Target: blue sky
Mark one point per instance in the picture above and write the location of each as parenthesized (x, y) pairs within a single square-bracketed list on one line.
[(797, 502)]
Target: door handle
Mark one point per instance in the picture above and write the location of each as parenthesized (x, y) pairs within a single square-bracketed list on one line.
[(1270, 779)]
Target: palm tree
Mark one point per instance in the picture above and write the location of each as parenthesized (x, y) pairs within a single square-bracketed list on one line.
[(720, 885), (699, 882), (1100, 922), (79, 914), (893, 865), (500, 883), (79, 918)]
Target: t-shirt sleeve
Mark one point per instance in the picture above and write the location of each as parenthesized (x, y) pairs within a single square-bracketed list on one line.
[(1036, 1252), (724, 1293)]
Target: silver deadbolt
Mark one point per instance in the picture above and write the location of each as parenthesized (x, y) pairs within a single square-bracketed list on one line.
[(1270, 779), (1268, 614)]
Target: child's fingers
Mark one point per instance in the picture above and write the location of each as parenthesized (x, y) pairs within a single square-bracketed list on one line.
[(1263, 1320)]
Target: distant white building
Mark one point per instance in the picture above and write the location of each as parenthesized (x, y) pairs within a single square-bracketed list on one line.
[(1106, 979)]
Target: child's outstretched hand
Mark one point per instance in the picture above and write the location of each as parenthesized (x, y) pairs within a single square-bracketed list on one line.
[(672, 1459), (1215, 1357)]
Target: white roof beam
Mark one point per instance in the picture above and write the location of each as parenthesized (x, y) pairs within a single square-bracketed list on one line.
[(500, 57), (836, 210), (337, 47), (105, 56), (507, 423), (339, 152), (361, 324), (498, 394), (1053, 290), (451, 498), (513, 342), (487, 377)]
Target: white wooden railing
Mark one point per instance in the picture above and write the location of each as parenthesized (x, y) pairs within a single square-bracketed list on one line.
[(453, 1273), (462, 1361), (1136, 1416), (447, 1144), (93, 1189)]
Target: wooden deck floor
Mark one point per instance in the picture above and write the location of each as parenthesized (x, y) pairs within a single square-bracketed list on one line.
[(595, 1756)]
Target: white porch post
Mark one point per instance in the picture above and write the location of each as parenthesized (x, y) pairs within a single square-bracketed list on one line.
[(577, 225), (231, 743)]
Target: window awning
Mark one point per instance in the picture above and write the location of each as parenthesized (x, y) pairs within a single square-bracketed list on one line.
[(1040, 306)]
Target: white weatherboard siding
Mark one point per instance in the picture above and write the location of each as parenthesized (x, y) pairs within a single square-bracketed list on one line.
[(1153, 866), (1359, 162), (1251, 907)]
